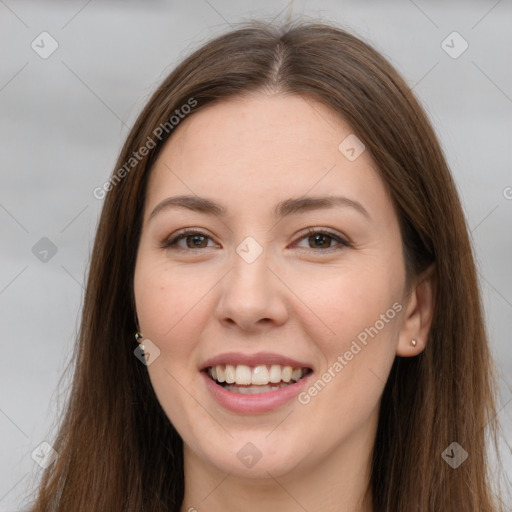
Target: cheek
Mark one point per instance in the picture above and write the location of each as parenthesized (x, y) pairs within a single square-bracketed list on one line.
[(168, 299), (353, 303), (168, 306), (364, 313)]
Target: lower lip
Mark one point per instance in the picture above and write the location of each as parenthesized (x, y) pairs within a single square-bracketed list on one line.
[(261, 402)]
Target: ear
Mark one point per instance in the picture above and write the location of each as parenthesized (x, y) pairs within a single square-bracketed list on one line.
[(418, 312)]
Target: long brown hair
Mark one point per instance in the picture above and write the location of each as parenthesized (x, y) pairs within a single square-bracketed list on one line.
[(117, 449)]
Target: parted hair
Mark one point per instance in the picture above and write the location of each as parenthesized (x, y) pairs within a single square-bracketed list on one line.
[(119, 452)]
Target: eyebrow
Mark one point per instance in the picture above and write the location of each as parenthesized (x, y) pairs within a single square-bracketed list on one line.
[(282, 209)]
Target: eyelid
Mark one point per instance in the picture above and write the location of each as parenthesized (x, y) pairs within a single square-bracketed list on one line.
[(170, 241), (343, 241)]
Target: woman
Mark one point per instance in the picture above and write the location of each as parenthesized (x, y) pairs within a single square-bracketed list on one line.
[(282, 308)]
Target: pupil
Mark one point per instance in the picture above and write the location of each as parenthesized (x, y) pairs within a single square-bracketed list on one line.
[(319, 238), (196, 240)]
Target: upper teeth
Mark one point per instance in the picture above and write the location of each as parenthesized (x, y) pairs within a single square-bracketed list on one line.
[(261, 375)]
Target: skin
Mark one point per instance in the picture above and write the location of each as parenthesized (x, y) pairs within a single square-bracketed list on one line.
[(300, 298)]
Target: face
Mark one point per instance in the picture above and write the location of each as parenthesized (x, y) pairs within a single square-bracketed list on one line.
[(295, 302)]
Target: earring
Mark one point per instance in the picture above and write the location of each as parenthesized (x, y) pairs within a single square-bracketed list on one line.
[(414, 342), (139, 338)]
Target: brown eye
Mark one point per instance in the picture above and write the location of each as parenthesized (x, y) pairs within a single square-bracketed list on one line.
[(320, 241), (196, 241), (193, 240), (323, 241)]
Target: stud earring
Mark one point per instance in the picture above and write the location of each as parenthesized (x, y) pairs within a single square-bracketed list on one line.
[(139, 338), (414, 342)]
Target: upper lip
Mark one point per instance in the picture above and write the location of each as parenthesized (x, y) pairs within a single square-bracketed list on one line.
[(260, 358)]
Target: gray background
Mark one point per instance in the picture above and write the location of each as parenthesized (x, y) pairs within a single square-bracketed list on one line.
[(65, 117)]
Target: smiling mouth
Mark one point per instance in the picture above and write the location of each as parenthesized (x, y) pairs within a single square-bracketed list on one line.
[(251, 380)]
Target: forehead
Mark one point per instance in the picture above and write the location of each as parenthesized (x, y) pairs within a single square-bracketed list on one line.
[(263, 126), (264, 148)]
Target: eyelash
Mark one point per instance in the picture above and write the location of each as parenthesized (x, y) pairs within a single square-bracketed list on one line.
[(171, 242)]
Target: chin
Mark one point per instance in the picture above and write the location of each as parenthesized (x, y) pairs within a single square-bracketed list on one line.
[(256, 455)]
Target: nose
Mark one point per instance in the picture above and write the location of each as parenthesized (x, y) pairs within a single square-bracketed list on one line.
[(253, 295)]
